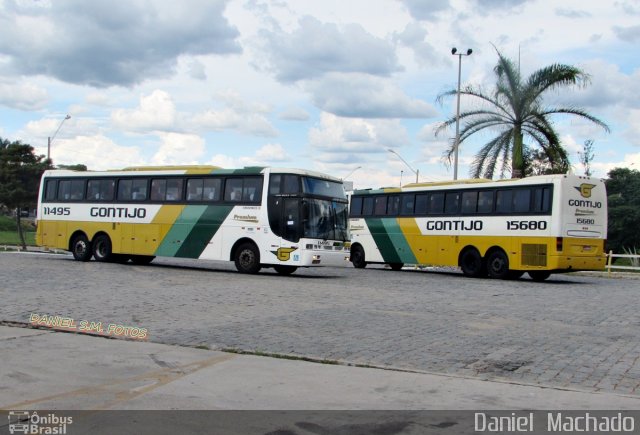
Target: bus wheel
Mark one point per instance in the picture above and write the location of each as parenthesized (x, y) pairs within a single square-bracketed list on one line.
[(471, 263), (396, 266), (498, 265), (141, 260), (81, 248), (102, 248), (247, 258), (284, 270), (539, 275), (357, 257)]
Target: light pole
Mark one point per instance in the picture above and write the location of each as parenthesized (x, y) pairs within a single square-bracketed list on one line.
[(405, 162), (454, 51), (351, 173), (50, 138)]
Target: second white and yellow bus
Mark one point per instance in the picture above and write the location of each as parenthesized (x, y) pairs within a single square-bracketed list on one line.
[(539, 225), (256, 217)]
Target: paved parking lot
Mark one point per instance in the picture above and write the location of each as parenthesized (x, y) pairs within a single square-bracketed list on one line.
[(578, 332)]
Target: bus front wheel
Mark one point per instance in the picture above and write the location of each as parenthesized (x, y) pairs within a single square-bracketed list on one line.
[(102, 248), (247, 258), (498, 265), (81, 248), (357, 257)]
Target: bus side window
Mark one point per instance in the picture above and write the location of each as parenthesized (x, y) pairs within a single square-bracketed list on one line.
[(356, 205), (158, 189), (469, 201), (485, 201), (274, 184), (139, 189), (393, 207), (436, 203), (50, 190), (504, 201), (194, 189), (291, 184), (542, 200), (367, 206), (406, 206), (522, 200), (174, 189), (76, 190), (422, 204), (252, 189), (380, 207), (212, 189), (233, 190), (452, 202)]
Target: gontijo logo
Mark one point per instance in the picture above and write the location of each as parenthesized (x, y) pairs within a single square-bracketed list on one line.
[(585, 189)]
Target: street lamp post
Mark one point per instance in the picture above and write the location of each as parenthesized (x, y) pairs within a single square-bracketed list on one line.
[(50, 138), (454, 51), (351, 173), (417, 172)]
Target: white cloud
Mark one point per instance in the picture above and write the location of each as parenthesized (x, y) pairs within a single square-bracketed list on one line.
[(365, 96), (272, 153), (23, 96), (317, 48), (238, 115), (102, 43), (294, 114), (267, 155), (355, 137), (96, 152), (155, 112), (179, 149)]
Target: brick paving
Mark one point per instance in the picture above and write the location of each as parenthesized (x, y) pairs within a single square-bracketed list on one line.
[(573, 331)]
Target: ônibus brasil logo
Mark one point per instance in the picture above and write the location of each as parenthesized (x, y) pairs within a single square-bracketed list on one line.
[(31, 423)]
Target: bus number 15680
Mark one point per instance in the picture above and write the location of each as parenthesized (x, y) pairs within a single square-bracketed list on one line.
[(526, 225)]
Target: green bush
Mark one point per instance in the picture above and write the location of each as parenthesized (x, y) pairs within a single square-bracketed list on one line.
[(8, 223)]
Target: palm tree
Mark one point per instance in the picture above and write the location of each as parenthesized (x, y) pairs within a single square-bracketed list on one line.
[(515, 110)]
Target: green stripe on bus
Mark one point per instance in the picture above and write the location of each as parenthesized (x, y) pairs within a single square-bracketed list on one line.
[(390, 241), (204, 230), (399, 241), (180, 230)]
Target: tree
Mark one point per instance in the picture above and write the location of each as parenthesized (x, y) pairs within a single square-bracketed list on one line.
[(515, 108), (20, 171), (536, 162), (77, 167), (623, 194), (586, 156)]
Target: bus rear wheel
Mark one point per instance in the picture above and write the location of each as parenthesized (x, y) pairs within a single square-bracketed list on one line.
[(471, 263), (539, 275), (284, 270), (357, 257), (102, 248), (247, 258), (81, 248), (498, 265)]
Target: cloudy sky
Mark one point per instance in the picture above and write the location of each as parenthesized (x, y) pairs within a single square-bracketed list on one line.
[(328, 85)]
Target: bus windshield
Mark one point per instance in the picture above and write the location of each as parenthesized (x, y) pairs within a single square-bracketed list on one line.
[(325, 219), (316, 186)]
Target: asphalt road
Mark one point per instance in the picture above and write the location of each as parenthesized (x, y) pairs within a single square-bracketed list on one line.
[(573, 331)]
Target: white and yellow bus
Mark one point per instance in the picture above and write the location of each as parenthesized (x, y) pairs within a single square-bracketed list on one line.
[(539, 225), (256, 217)]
